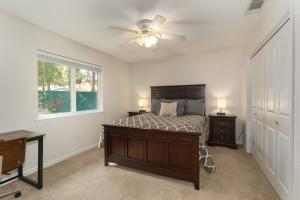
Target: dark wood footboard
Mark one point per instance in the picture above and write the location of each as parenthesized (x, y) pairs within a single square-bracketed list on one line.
[(173, 154)]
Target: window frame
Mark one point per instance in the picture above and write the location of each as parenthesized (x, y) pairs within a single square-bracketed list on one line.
[(73, 64)]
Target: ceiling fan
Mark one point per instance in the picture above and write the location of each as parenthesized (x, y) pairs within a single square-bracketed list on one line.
[(147, 33)]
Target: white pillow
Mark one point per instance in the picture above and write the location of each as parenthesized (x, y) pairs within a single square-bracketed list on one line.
[(168, 109)]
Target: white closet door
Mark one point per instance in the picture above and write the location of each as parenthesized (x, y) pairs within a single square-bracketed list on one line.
[(272, 102), (271, 52), (284, 108)]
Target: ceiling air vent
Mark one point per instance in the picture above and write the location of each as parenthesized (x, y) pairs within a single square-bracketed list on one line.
[(254, 6)]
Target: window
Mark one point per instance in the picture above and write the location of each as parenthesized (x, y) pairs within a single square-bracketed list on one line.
[(54, 93), (66, 85), (86, 89)]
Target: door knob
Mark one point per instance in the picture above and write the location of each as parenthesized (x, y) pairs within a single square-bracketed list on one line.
[(276, 122)]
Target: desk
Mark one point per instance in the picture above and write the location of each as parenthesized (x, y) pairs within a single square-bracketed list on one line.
[(30, 137)]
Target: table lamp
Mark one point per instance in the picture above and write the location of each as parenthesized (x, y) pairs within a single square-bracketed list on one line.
[(221, 104), (143, 103)]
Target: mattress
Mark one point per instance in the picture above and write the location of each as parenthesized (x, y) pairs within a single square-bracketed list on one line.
[(187, 123)]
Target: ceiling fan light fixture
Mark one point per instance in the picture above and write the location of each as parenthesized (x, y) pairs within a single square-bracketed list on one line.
[(139, 41), (152, 39), (148, 43)]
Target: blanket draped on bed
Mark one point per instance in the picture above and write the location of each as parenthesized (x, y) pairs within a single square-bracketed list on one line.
[(187, 123)]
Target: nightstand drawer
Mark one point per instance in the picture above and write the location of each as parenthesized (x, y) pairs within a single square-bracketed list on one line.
[(222, 130), (222, 123), (222, 138)]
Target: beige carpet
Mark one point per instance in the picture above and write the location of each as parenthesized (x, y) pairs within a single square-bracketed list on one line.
[(85, 177)]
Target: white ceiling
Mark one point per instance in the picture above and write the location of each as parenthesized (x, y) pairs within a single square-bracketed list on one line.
[(207, 24)]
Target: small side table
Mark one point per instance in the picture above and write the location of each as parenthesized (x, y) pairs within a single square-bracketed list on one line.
[(134, 113), (222, 130)]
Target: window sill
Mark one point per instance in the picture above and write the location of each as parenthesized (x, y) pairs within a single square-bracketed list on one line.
[(69, 114)]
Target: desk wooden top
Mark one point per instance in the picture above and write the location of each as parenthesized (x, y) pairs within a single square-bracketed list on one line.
[(29, 135)]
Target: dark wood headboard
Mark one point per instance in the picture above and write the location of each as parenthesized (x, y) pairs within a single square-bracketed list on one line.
[(178, 92), (196, 92)]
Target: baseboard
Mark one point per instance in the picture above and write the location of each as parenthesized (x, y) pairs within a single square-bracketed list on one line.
[(55, 161), (60, 159)]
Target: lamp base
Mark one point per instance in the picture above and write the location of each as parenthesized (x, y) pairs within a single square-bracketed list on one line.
[(221, 113)]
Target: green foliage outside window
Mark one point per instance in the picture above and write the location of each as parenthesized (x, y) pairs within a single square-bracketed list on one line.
[(54, 88)]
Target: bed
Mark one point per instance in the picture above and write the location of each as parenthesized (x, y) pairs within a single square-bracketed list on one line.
[(167, 146)]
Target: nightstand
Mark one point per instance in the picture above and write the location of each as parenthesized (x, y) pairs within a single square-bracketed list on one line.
[(222, 130), (134, 113)]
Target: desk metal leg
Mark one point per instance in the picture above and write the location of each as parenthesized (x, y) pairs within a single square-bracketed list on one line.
[(39, 183), (20, 171), (40, 162)]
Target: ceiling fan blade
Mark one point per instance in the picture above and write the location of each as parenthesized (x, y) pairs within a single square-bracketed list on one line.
[(122, 29), (128, 43), (157, 22), (168, 36), (189, 22)]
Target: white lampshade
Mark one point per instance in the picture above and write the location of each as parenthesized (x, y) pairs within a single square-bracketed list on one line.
[(221, 103), (143, 102)]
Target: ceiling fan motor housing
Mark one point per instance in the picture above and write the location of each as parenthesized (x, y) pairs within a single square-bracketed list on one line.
[(144, 24)]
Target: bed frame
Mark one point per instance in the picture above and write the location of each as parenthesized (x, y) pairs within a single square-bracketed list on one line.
[(168, 153)]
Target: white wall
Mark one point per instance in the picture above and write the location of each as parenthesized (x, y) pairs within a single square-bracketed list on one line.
[(19, 42), (223, 72)]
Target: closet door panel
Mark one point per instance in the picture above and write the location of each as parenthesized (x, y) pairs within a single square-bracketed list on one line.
[(259, 139), (283, 160), (253, 83), (285, 73), (260, 81), (254, 136), (271, 149), (271, 82)]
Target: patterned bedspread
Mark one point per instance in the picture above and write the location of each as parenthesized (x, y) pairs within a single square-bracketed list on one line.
[(187, 123)]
